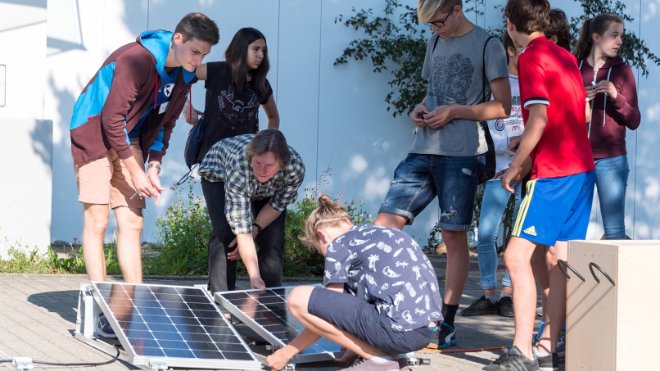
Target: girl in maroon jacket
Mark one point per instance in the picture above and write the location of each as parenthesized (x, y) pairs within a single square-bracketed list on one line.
[(611, 90)]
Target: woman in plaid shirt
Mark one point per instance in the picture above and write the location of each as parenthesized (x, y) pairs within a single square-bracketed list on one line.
[(253, 178)]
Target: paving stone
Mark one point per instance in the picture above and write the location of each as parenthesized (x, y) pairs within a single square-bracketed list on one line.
[(38, 314)]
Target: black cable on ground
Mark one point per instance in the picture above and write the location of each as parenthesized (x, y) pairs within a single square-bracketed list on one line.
[(71, 364)]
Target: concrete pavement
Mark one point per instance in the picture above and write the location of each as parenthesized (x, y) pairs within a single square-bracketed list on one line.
[(38, 315)]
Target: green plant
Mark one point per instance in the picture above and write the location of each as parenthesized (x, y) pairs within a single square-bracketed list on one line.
[(22, 260), (299, 260), (73, 264), (184, 233), (393, 42)]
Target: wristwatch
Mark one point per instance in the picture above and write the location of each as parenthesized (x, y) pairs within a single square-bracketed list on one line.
[(154, 165)]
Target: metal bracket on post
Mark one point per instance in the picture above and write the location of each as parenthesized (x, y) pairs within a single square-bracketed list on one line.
[(22, 363), (413, 360), (157, 365), (88, 312)]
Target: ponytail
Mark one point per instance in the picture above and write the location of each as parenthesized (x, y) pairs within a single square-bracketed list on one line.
[(327, 212), (585, 42)]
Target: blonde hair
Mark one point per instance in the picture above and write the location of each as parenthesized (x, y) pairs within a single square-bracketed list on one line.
[(426, 9), (328, 213)]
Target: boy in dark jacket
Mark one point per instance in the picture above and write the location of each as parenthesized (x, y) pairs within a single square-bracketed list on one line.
[(123, 118)]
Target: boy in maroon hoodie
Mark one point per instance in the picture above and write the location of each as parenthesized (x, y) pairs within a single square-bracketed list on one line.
[(123, 118)]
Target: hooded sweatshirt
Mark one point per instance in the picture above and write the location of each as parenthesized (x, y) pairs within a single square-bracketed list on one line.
[(116, 99), (610, 117)]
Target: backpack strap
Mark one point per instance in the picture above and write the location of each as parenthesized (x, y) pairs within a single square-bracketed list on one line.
[(483, 71)]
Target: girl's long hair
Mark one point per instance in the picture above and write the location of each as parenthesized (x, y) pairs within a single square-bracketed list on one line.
[(236, 58)]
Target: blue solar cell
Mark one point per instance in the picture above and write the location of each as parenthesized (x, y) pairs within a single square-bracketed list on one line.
[(266, 313), (172, 322)]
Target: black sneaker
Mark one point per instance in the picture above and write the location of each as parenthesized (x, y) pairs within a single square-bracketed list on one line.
[(480, 307), (547, 362), (104, 329), (505, 307), (513, 360), (446, 337)]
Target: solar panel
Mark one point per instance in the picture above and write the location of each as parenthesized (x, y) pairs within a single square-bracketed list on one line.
[(172, 325), (265, 312)]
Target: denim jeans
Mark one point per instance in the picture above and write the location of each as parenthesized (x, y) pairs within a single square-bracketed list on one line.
[(269, 243), (418, 179), (611, 181), (493, 204)]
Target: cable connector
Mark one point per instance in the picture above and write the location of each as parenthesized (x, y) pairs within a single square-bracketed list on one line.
[(22, 363)]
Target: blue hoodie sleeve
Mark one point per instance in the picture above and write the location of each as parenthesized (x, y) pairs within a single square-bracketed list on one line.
[(157, 145)]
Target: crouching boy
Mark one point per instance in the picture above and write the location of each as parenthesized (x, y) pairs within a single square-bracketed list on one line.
[(380, 298)]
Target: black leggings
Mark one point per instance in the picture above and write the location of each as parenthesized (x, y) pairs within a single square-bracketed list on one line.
[(269, 243)]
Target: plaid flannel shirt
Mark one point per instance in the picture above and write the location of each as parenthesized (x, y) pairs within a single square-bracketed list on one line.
[(227, 162)]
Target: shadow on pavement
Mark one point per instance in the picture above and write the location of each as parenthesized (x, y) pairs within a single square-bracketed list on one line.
[(64, 303)]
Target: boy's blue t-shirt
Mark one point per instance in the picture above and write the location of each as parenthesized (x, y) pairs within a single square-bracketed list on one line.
[(386, 267), (164, 92)]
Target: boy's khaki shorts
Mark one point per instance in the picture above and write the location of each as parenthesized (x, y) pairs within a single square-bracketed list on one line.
[(106, 181)]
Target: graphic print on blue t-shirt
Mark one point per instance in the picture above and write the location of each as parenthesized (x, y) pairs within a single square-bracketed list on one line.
[(386, 267), (163, 97)]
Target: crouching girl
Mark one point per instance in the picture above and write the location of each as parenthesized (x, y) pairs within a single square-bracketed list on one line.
[(380, 298)]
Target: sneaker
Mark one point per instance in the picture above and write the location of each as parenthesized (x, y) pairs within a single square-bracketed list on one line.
[(371, 365), (480, 307), (104, 329), (446, 336), (513, 360), (547, 362), (505, 307)]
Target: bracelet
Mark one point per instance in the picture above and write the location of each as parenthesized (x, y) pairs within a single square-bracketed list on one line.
[(154, 165), (259, 229)]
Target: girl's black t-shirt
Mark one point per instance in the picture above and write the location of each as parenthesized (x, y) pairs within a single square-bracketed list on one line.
[(227, 112)]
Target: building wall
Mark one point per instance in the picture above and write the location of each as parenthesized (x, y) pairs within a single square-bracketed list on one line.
[(25, 134), (335, 116)]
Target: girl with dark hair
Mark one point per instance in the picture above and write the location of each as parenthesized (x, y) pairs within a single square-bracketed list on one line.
[(235, 89), (558, 30), (611, 90)]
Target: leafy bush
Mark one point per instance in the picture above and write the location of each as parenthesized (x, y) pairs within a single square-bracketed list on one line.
[(25, 261), (73, 264), (298, 259), (184, 232)]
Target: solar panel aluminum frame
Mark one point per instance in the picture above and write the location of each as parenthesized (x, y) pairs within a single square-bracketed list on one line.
[(86, 318), (267, 335), (153, 362)]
